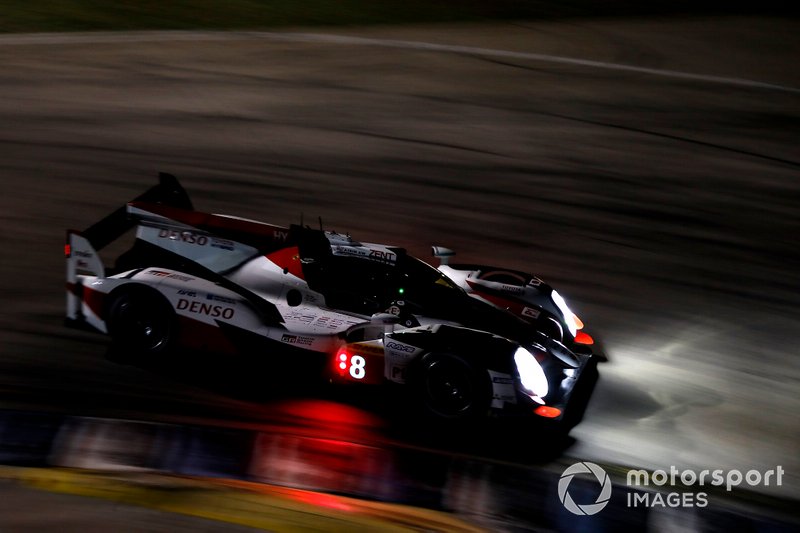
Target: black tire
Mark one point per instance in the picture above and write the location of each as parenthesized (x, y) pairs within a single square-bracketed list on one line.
[(451, 387), (141, 323)]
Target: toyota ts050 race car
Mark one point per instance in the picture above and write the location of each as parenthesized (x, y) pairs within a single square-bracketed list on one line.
[(464, 340)]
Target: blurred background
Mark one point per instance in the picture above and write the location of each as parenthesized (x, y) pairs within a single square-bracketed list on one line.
[(641, 157)]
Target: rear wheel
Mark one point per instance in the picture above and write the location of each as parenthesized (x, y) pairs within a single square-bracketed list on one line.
[(452, 387), (141, 323)]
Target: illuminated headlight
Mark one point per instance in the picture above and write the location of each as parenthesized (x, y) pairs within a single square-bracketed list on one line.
[(569, 316), (531, 375)]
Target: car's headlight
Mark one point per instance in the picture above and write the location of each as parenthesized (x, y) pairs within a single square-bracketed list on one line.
[(569, 316), (531, 375)]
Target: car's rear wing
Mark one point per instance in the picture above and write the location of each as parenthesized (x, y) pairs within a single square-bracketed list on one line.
[(81, 247), (167, 192), (168, 227)]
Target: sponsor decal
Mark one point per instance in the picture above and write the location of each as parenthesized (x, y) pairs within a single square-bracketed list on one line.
[(511, 288), (301, 316), (222, 244), (82, 264), (400, 347), (508, 398), (222, 299), (383, 256), (279, 235), (184, 292), (329, 322), (535, 281), (81, 253), (188, 237), (201, 308), (503, 389), (158, 273), (297, 339), (349, 250), (180, 277), (531, 313), (398, 373)]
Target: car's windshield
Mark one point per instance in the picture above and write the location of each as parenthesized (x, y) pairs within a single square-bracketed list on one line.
[(419, 283), (365, 286)]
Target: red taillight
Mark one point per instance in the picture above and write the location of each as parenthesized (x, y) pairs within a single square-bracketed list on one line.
[(67, 250), (341, 362), (547, 411), (584, 338)]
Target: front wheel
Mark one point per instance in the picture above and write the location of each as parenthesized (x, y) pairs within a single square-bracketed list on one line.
[(141, 323), (451, 387)]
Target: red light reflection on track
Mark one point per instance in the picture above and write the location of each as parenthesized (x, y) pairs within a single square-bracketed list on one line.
[(327, 419), (320, 499)]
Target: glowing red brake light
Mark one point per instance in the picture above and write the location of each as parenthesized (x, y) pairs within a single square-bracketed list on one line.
[(341, 360), (67, 250), (584, 338)]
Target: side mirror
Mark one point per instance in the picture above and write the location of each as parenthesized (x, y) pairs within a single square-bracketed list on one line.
[(444, 254), (378, 319), (384, 319)]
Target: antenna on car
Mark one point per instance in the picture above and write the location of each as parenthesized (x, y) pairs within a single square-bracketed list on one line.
[(301, 219), (320, 223)]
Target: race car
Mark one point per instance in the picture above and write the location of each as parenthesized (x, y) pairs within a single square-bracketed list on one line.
[(372, 313), (525, 295)]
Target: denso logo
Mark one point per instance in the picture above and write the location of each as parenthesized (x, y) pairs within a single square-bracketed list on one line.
[(200, 308), (183, 236), (400, 347)]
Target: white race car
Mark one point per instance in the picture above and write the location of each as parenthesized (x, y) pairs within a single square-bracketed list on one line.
[(371, 313)]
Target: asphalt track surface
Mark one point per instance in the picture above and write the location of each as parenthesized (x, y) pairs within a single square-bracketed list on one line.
[(665, 207)]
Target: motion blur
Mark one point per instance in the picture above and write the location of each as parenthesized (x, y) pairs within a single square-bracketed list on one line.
[(644, 165)]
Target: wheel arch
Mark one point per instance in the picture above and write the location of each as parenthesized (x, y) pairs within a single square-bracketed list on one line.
[(490, 351), (130, 287)]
